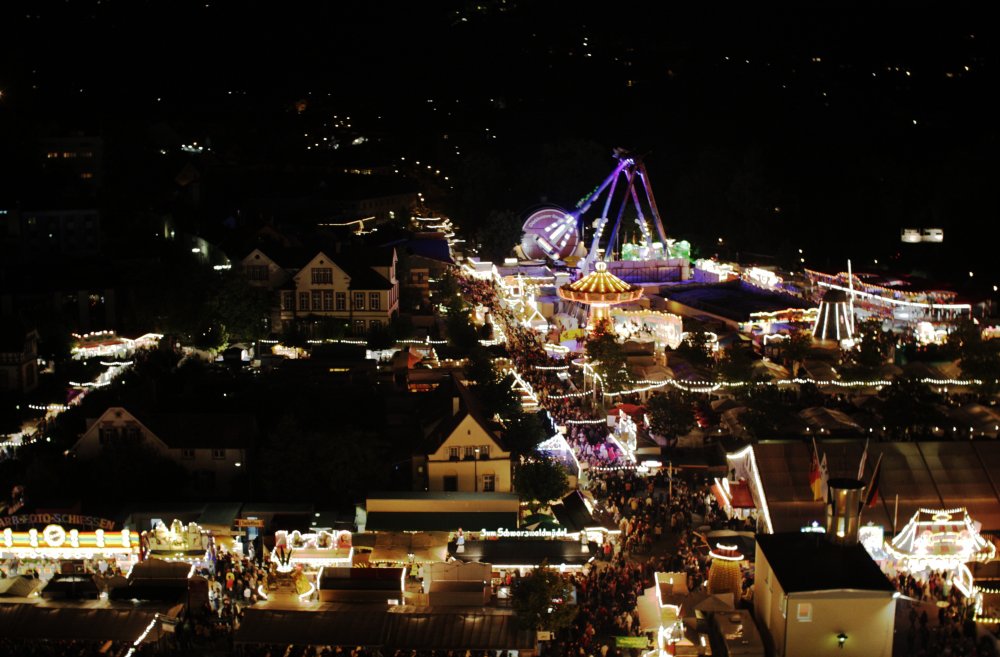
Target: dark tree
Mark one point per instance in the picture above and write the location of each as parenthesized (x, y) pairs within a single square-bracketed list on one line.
[(737, 363), (523, 433), (796, 349), (766, 411), (540, 481), (695, 349), (608, 357), (977, 358), (871, 349), (542, 600), (240, 309), (671, 414)]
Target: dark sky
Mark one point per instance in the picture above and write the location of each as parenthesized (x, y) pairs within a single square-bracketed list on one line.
[(854, 122)]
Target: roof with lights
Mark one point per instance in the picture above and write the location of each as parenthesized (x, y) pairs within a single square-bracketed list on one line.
[(942, 535)]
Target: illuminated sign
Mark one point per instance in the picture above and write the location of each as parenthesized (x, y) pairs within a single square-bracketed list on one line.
[(56, 542), (42, 519), (523, 533)]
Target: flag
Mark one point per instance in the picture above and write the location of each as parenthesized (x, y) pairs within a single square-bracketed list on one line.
[(824, 477), (814, 477), (864, 456), (872, 496)]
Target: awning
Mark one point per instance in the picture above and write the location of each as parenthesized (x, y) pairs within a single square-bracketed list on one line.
[(572, 512), (742, 498), (526, 552), (57, 623), (438, 522), (403, 628)]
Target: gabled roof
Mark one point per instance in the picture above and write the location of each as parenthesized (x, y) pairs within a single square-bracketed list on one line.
[(806, 561), (358, 269), (469, 407)]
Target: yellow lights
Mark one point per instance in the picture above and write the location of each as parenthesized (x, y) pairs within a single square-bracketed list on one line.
[(601, 282)]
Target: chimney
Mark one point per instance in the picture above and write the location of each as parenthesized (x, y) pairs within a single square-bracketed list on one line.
[(843, 510), (456, 405)]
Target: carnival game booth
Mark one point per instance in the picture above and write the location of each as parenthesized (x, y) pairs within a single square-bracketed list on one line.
[(299, 562), (188, 544), (40, 551), (315, 550), (941, 540)]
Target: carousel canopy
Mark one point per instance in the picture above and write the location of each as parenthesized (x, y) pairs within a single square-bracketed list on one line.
[(600, 286)]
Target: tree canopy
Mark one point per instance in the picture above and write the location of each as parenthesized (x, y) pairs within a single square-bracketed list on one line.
[(539, 481), (608, 357), (542, 600), (670, 414)]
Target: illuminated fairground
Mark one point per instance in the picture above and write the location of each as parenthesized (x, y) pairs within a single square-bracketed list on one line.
[(600, 290), (902, 300)]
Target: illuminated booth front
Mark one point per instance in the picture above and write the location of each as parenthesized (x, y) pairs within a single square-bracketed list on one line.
[(941, 539), (55, 542), (189, 544)]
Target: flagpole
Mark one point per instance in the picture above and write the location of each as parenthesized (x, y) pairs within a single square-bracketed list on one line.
[(895, 515), (864, 457)]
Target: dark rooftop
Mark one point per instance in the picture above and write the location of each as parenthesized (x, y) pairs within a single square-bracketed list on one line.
[(734, 300), (804, 561)]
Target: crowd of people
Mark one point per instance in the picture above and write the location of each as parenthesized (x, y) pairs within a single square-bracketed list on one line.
[(74, 648)]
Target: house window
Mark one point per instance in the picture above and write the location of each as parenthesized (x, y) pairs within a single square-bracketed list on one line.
[(322, 276), (453, 453), (359, 300), (489, 483), (470, 452), (256, 272), (218, 453), (187, 453), (315, 300), (132, 433), (341, 301), (304, 301), (287, 300), (450, 483), (106, 435), (376, 325), (804, 612), (374, 301), (359, 327), (484, 451), (327, 300)]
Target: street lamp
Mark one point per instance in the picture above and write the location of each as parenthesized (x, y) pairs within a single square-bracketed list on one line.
[(475, 472)]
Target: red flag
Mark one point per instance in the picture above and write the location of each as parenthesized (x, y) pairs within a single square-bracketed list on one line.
[(814, 475), (872, 496)]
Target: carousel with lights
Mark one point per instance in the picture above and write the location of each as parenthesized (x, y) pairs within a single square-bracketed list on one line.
[(941, 540), (600, 290)]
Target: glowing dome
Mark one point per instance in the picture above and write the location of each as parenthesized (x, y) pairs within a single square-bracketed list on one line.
[(600, 290)]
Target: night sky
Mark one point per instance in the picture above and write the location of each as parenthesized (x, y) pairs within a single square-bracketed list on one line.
[(829, 130)]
